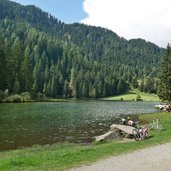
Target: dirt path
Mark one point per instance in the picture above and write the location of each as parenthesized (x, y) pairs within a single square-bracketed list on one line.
[(156, 158)]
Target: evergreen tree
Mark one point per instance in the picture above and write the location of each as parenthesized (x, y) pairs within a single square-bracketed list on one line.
[(164, 88), (73, 83), (141, 87), (40, 54), (26, 76), (120, 87), (16, 86), (134, 83), (66, 89), (3, 71)]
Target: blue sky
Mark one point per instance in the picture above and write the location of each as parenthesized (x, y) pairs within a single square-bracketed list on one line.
[(68, 11), (146, 19)]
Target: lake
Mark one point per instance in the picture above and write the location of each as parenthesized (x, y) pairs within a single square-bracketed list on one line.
[(26, 124)]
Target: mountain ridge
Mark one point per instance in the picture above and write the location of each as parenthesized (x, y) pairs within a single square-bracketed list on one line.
[(70, 50), (48, 16)]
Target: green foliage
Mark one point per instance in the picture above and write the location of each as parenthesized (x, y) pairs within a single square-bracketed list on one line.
[(45, 57), (16, 88), (164, 88), (121, 99), (149, 85), (131, 96), (138, 98), (3, 66), (13, 98), (122, 87), (134, 83), (26, 96), (1, 95)]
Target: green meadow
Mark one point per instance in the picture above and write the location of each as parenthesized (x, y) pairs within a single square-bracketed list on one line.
[(132, 96)]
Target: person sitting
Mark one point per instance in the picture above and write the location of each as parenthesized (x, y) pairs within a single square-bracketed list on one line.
[(123, 121), (130, 122)]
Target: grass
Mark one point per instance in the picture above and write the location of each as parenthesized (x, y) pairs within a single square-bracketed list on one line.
[(131, 96), (64, 156)]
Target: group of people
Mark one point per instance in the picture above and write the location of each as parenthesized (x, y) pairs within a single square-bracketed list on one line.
[(166, 108), (127, 121)]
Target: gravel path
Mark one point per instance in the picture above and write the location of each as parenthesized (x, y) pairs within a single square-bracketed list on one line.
[(156, 158)]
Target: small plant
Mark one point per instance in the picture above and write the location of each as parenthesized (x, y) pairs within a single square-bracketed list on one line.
[(138, 98), (121, 99)]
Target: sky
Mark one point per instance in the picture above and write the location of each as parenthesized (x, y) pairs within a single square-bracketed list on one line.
[(68, 11), (146, 19)]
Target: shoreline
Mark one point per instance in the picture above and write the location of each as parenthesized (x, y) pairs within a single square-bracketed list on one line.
[(64, 156)]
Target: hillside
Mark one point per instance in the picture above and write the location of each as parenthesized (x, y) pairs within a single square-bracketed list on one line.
[(41, 55)]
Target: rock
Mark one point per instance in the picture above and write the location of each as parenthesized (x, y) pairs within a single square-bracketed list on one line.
[(125, 128), (116, 132), (110, 135)]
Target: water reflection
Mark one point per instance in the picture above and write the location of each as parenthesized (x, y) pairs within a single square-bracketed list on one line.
[(47, 123)]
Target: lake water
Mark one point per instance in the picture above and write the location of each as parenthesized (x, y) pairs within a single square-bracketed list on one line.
[(23, 125)]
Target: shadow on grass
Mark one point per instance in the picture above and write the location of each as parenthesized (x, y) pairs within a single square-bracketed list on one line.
[(163, 130), (149, 137)]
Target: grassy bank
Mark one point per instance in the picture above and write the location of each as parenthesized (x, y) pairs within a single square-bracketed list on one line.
[(63, 156), (132, 95)]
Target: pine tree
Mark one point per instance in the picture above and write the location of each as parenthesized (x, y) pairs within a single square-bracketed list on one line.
[(69, 60), (26, 75), (120, 86), (16, 88), (84, 90), (2, 67), (164, 88), (73, 84), (141, 86), (66, 89), (134, 83)]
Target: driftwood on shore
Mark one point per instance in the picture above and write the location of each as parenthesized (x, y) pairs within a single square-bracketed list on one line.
[(114, 132)]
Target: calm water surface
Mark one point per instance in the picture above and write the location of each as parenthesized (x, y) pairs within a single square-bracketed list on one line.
[(23, 125)]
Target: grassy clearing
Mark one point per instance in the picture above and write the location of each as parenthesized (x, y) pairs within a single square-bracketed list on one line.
[(63, 156), (131, 96)]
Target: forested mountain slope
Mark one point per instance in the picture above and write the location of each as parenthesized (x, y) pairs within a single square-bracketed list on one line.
[(46, 57)]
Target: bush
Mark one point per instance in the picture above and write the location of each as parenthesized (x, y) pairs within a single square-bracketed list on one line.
[(121, 99), (138, 98), (26, 96), (13, 98)]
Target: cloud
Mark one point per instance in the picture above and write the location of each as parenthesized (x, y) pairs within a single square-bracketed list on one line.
[(147, 19)]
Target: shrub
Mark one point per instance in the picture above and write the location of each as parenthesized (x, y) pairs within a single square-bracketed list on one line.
[(138, 98), (26, 96), (121, 99), (13, 98)]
